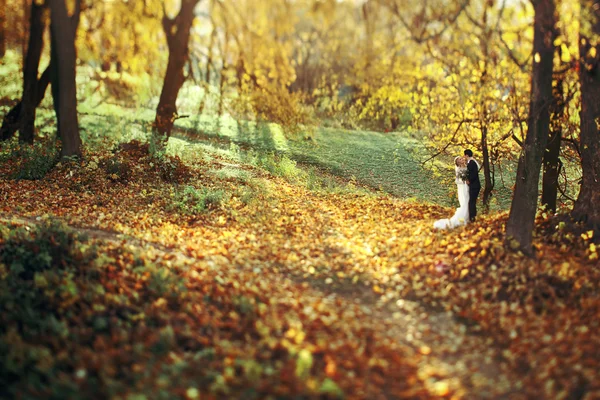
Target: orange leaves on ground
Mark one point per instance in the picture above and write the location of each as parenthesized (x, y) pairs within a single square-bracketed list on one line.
[(267, 296)]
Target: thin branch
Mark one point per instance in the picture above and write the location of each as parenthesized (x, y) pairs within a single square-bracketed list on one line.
[(516, 139), (512, 56), (561, 190), (573, 143), (446, 146), (500, 14), (98, 25), (422, 38)]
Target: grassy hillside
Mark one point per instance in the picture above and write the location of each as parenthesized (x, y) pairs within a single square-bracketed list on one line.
[(388, 162)]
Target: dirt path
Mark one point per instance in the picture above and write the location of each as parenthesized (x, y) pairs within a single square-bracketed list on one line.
[(451, 359), (468, 363)]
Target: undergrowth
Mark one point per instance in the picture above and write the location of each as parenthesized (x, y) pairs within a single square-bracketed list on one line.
[(30, 162), (39, 271), (190, 200)]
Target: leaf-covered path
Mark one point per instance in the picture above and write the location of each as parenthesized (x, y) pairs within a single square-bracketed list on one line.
[(449, 359), (279, 289)]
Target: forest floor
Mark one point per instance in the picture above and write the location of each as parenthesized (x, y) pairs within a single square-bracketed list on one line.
[(130, 277)]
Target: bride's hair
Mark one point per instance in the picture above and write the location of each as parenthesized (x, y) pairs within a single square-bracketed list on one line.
[(460, 162)]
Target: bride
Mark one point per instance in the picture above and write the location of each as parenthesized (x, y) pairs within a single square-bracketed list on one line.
[(461, 216)]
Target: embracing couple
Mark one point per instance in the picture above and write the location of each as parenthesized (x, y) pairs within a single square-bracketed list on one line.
[(467, 183)]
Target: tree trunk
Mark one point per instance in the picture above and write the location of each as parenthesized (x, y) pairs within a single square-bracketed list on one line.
[(551, 165), (587, 206), (2, 28), (26, 8), (54, 76), (63, 31), (524, 204), (30, 73), (177, 31), (207, 77), (222, 87), (487, 171), (10, 123), (485, 51)]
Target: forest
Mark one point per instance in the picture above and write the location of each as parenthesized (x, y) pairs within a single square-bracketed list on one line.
[(252, 199)]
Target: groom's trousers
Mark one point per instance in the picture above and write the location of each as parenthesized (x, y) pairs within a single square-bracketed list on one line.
[(473, 193)]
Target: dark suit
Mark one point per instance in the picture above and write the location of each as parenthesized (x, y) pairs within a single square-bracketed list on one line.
[(474, 188)]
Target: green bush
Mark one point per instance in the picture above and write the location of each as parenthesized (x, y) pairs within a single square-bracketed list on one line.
[(192, 201), (51, 245), (9, 150), (277, 165), (39, 270), (37, 161), (170, 168), (247, 195), (32, 162), (165, 283)]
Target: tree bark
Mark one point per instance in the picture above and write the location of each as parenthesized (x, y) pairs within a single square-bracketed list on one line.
[(587, 206), (2, 28), (177, 31), (485, 51), (10, 123), (487, 171), (551, 163), (524, 204), (26, 8), (30, 73), (63, 31)]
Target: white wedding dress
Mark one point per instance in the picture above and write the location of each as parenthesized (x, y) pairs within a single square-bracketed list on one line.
[(461, 216)]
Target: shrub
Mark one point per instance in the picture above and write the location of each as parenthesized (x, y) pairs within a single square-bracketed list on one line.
[(281, 166), (38, 282), (282, 107), (9, 150), (229, 173), (191, 201), (32, 162), (51, 245), (117, 170), (172, 169), (165, 283)]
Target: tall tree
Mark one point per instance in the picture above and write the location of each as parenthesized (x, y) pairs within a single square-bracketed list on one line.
[(587, 206), (177, 31), (63, 30), (29, 101), (551, 161), (564, 88), (11, 121), (22, 115), (524, 204)]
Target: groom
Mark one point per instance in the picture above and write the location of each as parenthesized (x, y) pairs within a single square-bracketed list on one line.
[(473, 182)]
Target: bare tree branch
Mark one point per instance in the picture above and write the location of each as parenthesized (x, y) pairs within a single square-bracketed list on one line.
[(446, 146), (422, 37)]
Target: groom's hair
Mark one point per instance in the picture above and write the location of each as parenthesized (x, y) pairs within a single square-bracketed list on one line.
[(468, 153)]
